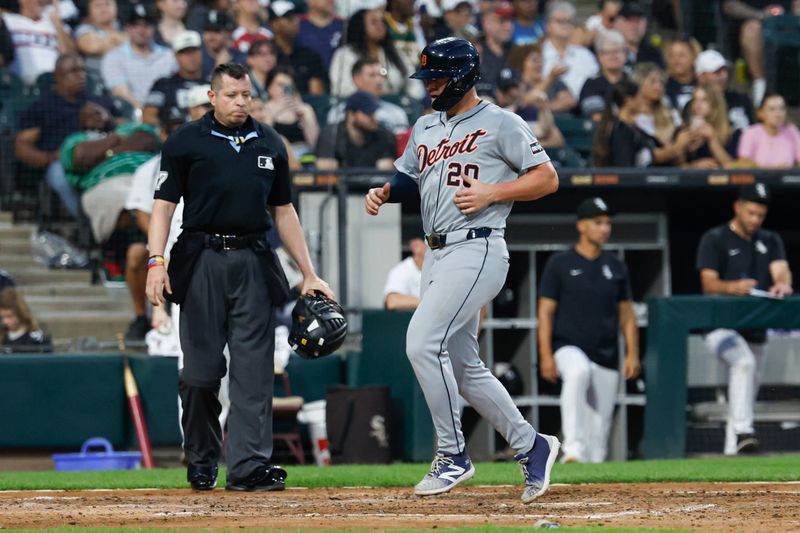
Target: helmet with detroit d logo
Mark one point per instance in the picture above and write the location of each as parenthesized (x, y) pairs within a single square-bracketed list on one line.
[(452, 58)]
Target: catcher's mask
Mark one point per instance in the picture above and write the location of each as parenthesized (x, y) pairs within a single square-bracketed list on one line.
[(318, 326), (452, 58)]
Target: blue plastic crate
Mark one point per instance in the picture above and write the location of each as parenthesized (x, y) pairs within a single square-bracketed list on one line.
[(107, 459)]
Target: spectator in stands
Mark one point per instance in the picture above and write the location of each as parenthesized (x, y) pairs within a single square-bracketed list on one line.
[(6, 280), (321, 30), (367, 37), (288, 114), (598, 24), (99, 33), (367, 77), (536, 112), (585, 301), (357, 141), (528, 25), (750, 14), (251, 20), (557, 51), (170, 21), (130, 70), (620, 142), (495, 46), (217, 41), (681, 55), (100, 161), (738, 258), (45, 124), (711, 68), (772, 143), (38, 40), (7, 53), (262, 58), (632, 24), (456, 21), (171, 92), (21, 333), (401, 291), (706, 114), (404, 30), (537, 88), (309, 75), (652, 116), (596, 92)]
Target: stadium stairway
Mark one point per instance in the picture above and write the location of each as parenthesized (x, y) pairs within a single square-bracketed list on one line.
[(64, 302)]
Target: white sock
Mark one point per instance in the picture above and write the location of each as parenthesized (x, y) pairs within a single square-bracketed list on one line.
[(759, 88)]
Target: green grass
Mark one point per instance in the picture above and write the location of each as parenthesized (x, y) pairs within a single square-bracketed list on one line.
[(772, 468)]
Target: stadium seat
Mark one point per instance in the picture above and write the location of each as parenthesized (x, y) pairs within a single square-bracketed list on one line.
[(321, 104), (45, 82), (124, 108), (284, 413), (413, 108), (578, 133), (782, 56), (10, 85)]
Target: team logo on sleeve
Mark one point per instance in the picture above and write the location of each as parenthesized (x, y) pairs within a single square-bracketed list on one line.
[(761, 247), (162, 177), (536, 148), (607, 272), (265, 163)]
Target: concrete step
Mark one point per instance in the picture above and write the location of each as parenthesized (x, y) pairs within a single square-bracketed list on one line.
[(18, 261), (44, 303), (23, 231), (104, 325), (64, 289), (6, 217), (44, 276), (15, 246)]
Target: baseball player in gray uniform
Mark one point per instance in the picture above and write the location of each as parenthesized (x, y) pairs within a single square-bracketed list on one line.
[(471, 161)]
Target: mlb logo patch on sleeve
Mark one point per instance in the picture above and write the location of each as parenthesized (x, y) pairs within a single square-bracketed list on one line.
[(265, 162), (536, 148)]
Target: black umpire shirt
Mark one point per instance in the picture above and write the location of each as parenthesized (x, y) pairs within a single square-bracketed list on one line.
[(734, 258), (588, 295), (226, 177)]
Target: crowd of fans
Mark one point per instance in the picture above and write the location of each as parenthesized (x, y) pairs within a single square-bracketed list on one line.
[(107, 78)]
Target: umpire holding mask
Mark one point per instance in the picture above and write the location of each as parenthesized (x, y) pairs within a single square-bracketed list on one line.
[(232, 173)]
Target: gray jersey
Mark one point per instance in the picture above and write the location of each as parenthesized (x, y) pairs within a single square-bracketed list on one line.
[(486, 143)]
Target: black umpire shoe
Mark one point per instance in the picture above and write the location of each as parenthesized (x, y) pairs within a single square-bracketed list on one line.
[(265, 478), (746, 443), (202, 477)]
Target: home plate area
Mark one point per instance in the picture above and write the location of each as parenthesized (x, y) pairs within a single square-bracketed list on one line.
[(698, 506)]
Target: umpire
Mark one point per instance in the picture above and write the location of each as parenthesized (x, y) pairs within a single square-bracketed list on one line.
[(232, 173)]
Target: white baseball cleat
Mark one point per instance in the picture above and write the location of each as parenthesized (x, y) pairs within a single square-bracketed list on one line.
[(447, 471)]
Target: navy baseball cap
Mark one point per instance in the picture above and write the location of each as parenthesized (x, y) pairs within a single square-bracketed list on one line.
[(362, 101), (218, 21), (757, 192), (141, 12), (631, 10), (593, 207)]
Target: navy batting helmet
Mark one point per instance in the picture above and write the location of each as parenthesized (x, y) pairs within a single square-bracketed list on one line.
[(318, 326), (452, 58)]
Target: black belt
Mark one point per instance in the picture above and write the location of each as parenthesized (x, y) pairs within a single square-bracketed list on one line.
[(218, 242), (440, 240)]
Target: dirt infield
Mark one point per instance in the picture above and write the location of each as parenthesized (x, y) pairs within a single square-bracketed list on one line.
[(697, 506)]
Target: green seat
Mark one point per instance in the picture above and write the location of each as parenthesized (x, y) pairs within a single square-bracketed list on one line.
[(782, 56), (10, 109), (124, 108), (578, 133), (10, 84), (413, 108), (321, 104), (46, 81)]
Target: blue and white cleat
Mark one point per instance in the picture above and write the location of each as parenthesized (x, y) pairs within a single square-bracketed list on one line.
[(536, 466), (447, 471)]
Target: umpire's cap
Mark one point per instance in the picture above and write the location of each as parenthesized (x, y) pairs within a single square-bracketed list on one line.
[(593, 207), (757, 192), (452, 58)]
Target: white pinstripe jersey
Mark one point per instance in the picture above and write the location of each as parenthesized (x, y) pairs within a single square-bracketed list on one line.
[(487, 143)]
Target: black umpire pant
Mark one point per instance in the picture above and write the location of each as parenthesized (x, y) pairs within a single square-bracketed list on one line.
[(227, 301)]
